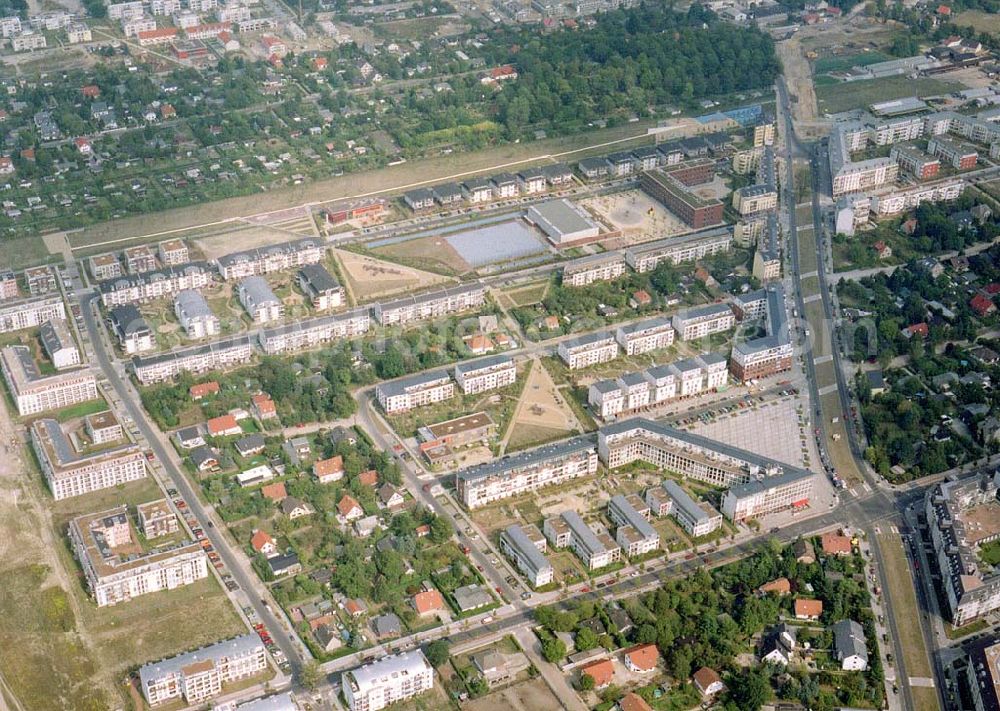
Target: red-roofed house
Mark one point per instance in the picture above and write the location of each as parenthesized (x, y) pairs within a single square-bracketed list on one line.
[(943, 10), (992, 289), (982, 305), (163, 35), (835, 544), (355, 607), (6, 165), (223, 426), (640, 298), (883, 250), (779, 586), (808, 609), (167, 111), (319, 63), (275, 492), (641, 658), (423, 530), (428, 601), (83, 145), (503, 73), (601, 672), (916, 329), (633, 702), (708, 682), (274, 46), (91, 91), (368, 478), (479, 344), (329, 470), (197, 392), (349, 508), (264, 544), (263, 406)]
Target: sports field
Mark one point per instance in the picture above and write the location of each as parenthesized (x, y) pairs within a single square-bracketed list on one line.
[(859, 94)]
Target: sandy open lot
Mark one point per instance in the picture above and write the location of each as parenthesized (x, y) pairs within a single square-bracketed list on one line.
[(639, 217), (531, 695), (542, 414), (370, 278)]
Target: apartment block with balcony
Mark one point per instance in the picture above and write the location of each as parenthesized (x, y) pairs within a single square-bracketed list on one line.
[(677, 250), (645, 336), (309, 333), (195, 315), (30, 313), (155, 284), (527, 552), (606, 266), (415, 391), (259, 301), (432, 305), (273, 258), (588, 350), (33, 392), (387, 680), (703, 321), (486, 374), (217, 355)]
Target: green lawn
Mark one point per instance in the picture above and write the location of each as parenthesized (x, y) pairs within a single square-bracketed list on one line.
[(859, 94), (840, 64), (990, 553), (82, 409)]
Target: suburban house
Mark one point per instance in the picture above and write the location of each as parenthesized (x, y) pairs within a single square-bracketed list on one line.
[(708, 682), (349, 509), (264, 544), (641, 658), (329, 470)]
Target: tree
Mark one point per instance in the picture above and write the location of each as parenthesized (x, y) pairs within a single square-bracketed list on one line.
[(440, 530), (311, 674), (586, 639), (586, 682), (438, 652), (752, 690), (553, 649)]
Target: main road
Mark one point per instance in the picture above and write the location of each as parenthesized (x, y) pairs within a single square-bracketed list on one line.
[(234, 560)]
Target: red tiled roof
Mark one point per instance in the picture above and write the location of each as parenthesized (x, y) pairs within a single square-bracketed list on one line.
[(325, 467), (368, 478), (428, 601), (808, 608), (981, 304), (780, 585), (259, 540), (224, 423), (347, 504), (835, 544), (203, 389), (633, 702), (274, 492), (643, 656), (601, 672)]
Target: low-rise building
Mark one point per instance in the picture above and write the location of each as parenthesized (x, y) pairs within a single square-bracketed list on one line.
[(199, 675), (309, 333), (107, 552), (526, 471), (195, 315), (415, 391), (432, 305), (29, 313), (527, 553), (697, 518), (596, 267), (130, 328), (272, 258), (850, 648), (703, 321), (216, 355), (676, 250), (34, 393), (389, 679), (70, 472), (588, 350), (324, 292), (155, 284), (259, 301), (58, 344), (644, 336), (476, 428), (485, 374), (635, 535)]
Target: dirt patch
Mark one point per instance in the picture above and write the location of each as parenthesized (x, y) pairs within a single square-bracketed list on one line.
[(542, 413), (370, 278), (798, 78), (531, 695), (242, 238), (637, 216), (434, 253)]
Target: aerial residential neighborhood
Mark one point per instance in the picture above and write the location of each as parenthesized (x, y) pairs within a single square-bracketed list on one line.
[(532, 355)]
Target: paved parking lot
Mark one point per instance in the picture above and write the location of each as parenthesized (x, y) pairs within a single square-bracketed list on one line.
[(773, 429)]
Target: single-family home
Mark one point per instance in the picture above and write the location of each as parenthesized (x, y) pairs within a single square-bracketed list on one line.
[(349, 509), (708, 682), (849, 645), (263, 544), (806, 609), (602, 672), (642, 658), (329, 470), (295, 508), (835, 544), (427, 602), (274, 492), (389, 496), (223, 426)]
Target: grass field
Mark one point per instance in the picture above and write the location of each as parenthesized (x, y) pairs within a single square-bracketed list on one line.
[(840, 64), (525, 436), (904, 602), (432, 254), (981, 21), (858, 94)]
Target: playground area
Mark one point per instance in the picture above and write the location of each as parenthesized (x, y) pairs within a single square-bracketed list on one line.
[(637, 216)]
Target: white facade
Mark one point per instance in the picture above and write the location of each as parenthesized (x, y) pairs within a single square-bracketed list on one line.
[(703, 321), (588, 350), (390, 679), (484, 375), (34, 393)]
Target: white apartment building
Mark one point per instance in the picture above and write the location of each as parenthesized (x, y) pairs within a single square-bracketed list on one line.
[(59, 344), (486, 374), (72, 473), (676, 250), (302, 335), (155, 284), (527, 552), (233, 13), (505, 186), (133, 333), (771, 353), (532, 181), (28, 41), (598, 267), (259, 301), (594, 550), (10, 26), (901, 200), (658, 385), (751, 199), (635, 536), (897, 130), (173, 252), (759, 497), (477, 190), (114, 577), (850, 177), (971, 127), (273, 258), (34, 393), (105, 266), (195, 315), (197, 676), (645, 336), (133, 26), (697, 518), (387, 680), (78, 32), (418, 390), (526, 471), (324, 292), (703, 321), (139, 259), (438, 303), (164, 8), (120, 10), (588, 350), (197, 359), (29, 313)]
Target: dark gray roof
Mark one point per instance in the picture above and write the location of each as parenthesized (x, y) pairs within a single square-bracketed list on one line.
[(505, 465), (849, 639), (401, 387), (129, 281), (126, 320), (318, 278)]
